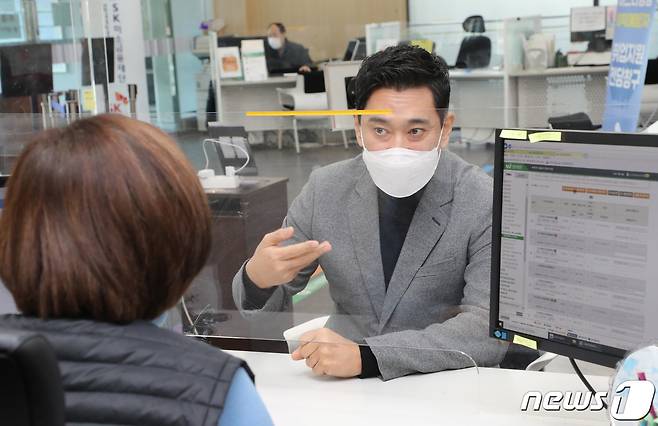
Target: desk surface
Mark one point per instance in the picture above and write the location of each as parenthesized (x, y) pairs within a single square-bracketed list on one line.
[(294, 396), (465, 74), (248, 185), (562, 71), (269, 80)]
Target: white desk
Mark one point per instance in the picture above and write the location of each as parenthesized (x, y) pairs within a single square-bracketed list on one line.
[(492, 396), (269, 81), (477, 98), (239, 96), (534, 96)]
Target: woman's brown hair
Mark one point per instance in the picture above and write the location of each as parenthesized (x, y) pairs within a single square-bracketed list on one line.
[(104, 219)]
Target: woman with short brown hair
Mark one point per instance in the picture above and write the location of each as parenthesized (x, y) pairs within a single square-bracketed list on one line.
[(105, 226)]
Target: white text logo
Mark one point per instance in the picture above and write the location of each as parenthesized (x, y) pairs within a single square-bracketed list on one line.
[(631, 401)]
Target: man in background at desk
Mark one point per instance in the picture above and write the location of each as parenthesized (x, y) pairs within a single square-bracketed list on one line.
[(284, 55), (403, 238)]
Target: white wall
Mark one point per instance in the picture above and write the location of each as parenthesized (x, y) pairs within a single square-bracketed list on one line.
[(424, 11)]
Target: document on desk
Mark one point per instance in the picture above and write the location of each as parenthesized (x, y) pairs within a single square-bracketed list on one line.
[(253, 60), (577, 241)]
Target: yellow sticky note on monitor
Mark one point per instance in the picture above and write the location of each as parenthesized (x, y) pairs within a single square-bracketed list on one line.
[(524, 341), (514, 134), (545, 137)]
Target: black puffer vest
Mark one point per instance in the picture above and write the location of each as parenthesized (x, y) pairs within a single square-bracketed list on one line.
[(136, 374)]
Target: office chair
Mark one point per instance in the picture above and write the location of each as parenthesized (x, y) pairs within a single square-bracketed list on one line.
[(475, 50), (314, 82), (302, 101), (31, 392), (577, 121)]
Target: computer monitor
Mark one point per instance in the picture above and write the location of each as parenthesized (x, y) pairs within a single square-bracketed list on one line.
[(230, 155), (360, 51), (356, 50), (314, 82), (349, 52), (350, 93), (26, 69), (575, 253), (590, 24), (652, 72)]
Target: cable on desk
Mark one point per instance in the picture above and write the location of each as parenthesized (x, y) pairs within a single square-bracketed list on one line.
[(187, 314), (220, 142), (584, 380)]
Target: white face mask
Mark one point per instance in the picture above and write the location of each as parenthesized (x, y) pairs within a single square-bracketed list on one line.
[(275, 42), (401, 172)]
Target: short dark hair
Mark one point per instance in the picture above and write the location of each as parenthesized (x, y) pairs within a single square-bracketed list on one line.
[(105, 220), (403, 67), (279, 25)]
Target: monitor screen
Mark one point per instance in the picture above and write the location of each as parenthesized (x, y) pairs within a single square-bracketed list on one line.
[(593, 24), (360, 50), (26, 69), (349, 52), (350, 93), (575, 253)]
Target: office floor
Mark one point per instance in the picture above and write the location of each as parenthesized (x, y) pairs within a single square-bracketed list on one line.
[(297, 167)]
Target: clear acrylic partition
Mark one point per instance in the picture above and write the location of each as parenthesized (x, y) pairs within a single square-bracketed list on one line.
[(448, 330), (446, 38), (506, 38)]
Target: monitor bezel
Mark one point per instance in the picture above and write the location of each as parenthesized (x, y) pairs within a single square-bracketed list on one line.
[(571, 136)]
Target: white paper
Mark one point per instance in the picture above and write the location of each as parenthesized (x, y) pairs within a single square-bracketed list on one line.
[(585, 19), (91, 101), (253, 60), (229, 62)]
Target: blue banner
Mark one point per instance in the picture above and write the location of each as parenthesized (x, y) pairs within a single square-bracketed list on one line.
[(628, 64)]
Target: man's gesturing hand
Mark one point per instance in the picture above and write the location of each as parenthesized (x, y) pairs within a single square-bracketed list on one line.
[(273, 264)]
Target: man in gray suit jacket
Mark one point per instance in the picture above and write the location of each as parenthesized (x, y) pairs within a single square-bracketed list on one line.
[(402, 233)]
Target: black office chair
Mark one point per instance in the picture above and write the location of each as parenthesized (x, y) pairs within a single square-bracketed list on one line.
[(475, 50), (577, 121), (314, 82), (31, 392)]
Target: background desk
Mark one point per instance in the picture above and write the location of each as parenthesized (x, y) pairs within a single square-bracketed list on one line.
[(534, 96), (239, 96), (493, 396), (477, 98)]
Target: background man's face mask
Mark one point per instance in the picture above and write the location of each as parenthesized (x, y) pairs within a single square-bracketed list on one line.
[(275, 42), (401, 172)]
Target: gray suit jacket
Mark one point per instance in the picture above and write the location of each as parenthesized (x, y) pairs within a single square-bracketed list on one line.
[(436, 308)]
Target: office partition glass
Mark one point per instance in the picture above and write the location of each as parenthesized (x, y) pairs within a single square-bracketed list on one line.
[(446, 332), (272, 133)]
